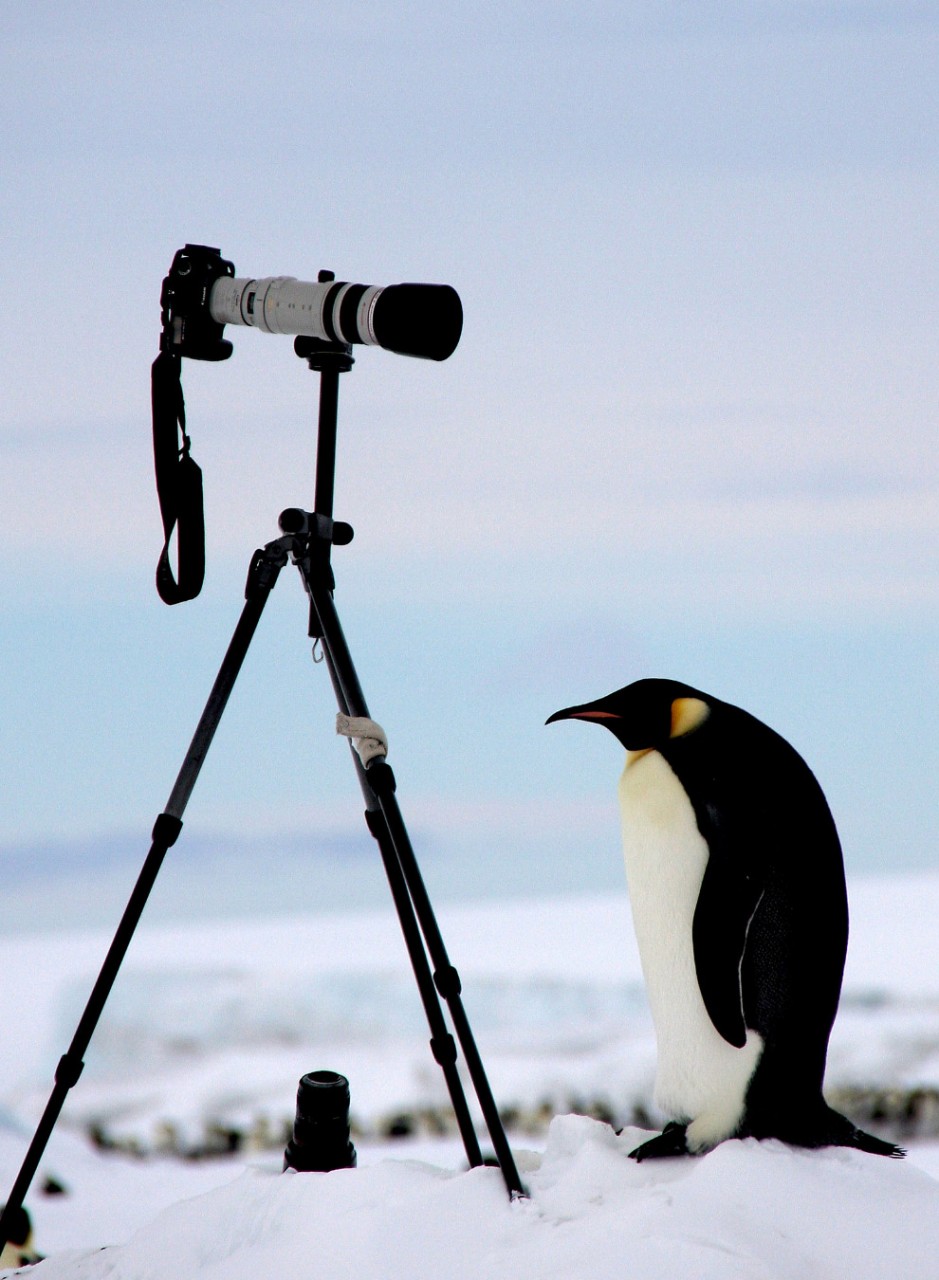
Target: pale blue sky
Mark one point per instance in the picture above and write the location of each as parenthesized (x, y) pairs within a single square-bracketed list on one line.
[(690, 429)]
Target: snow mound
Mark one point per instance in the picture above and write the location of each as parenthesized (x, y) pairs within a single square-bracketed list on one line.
[(747, 1210)]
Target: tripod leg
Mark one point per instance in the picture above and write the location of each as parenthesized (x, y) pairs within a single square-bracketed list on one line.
[(442, 1044), (446, 978), (262, 575), (381, 783)]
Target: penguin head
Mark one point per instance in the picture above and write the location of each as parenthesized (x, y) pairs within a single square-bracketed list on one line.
[(645, 715)]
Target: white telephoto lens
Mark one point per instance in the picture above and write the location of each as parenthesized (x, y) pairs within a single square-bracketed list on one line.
[(275, 304), (413, 319)]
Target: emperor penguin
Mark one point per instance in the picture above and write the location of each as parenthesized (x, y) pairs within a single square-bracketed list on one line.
[(736, 883), (19, 1250)]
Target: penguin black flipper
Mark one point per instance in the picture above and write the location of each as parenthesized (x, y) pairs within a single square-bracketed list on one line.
[(727, 901)]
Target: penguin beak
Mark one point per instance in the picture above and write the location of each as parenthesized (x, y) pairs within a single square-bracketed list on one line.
[(588, 711)]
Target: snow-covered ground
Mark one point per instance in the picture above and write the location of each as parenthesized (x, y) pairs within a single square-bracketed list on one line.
[(745, 1211), (210, 1027)]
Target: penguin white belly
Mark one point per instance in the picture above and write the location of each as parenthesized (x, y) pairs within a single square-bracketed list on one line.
[(700, 1078)]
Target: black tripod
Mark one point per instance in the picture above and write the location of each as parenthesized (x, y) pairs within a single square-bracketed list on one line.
[(307, 540)]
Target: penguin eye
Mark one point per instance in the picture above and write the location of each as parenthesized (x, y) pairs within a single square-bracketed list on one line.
[(687, 715)]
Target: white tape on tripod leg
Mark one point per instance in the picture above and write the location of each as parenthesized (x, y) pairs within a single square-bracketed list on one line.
[(368, 737)]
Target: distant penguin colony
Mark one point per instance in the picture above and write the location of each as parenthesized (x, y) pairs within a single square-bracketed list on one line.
[(736, 883)]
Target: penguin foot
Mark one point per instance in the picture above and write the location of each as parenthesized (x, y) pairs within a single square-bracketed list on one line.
[(839, 1131), (862, 1141), (670, 1142), (830, 1129)]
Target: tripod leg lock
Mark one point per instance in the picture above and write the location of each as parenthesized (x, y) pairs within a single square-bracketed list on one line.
[(69, 1070), (447, 982), (444, 1049), (375, 822), (266, 564), (381, 778), (166, 830)]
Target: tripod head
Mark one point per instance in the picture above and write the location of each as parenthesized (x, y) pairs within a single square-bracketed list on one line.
[(321, 355)]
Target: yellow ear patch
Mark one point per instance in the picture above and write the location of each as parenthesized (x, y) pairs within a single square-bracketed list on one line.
[(687, 715)]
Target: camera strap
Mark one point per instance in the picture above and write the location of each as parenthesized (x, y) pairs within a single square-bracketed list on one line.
[(179, 485)]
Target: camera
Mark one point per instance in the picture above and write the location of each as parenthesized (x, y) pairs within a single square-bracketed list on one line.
[(201, 295)]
